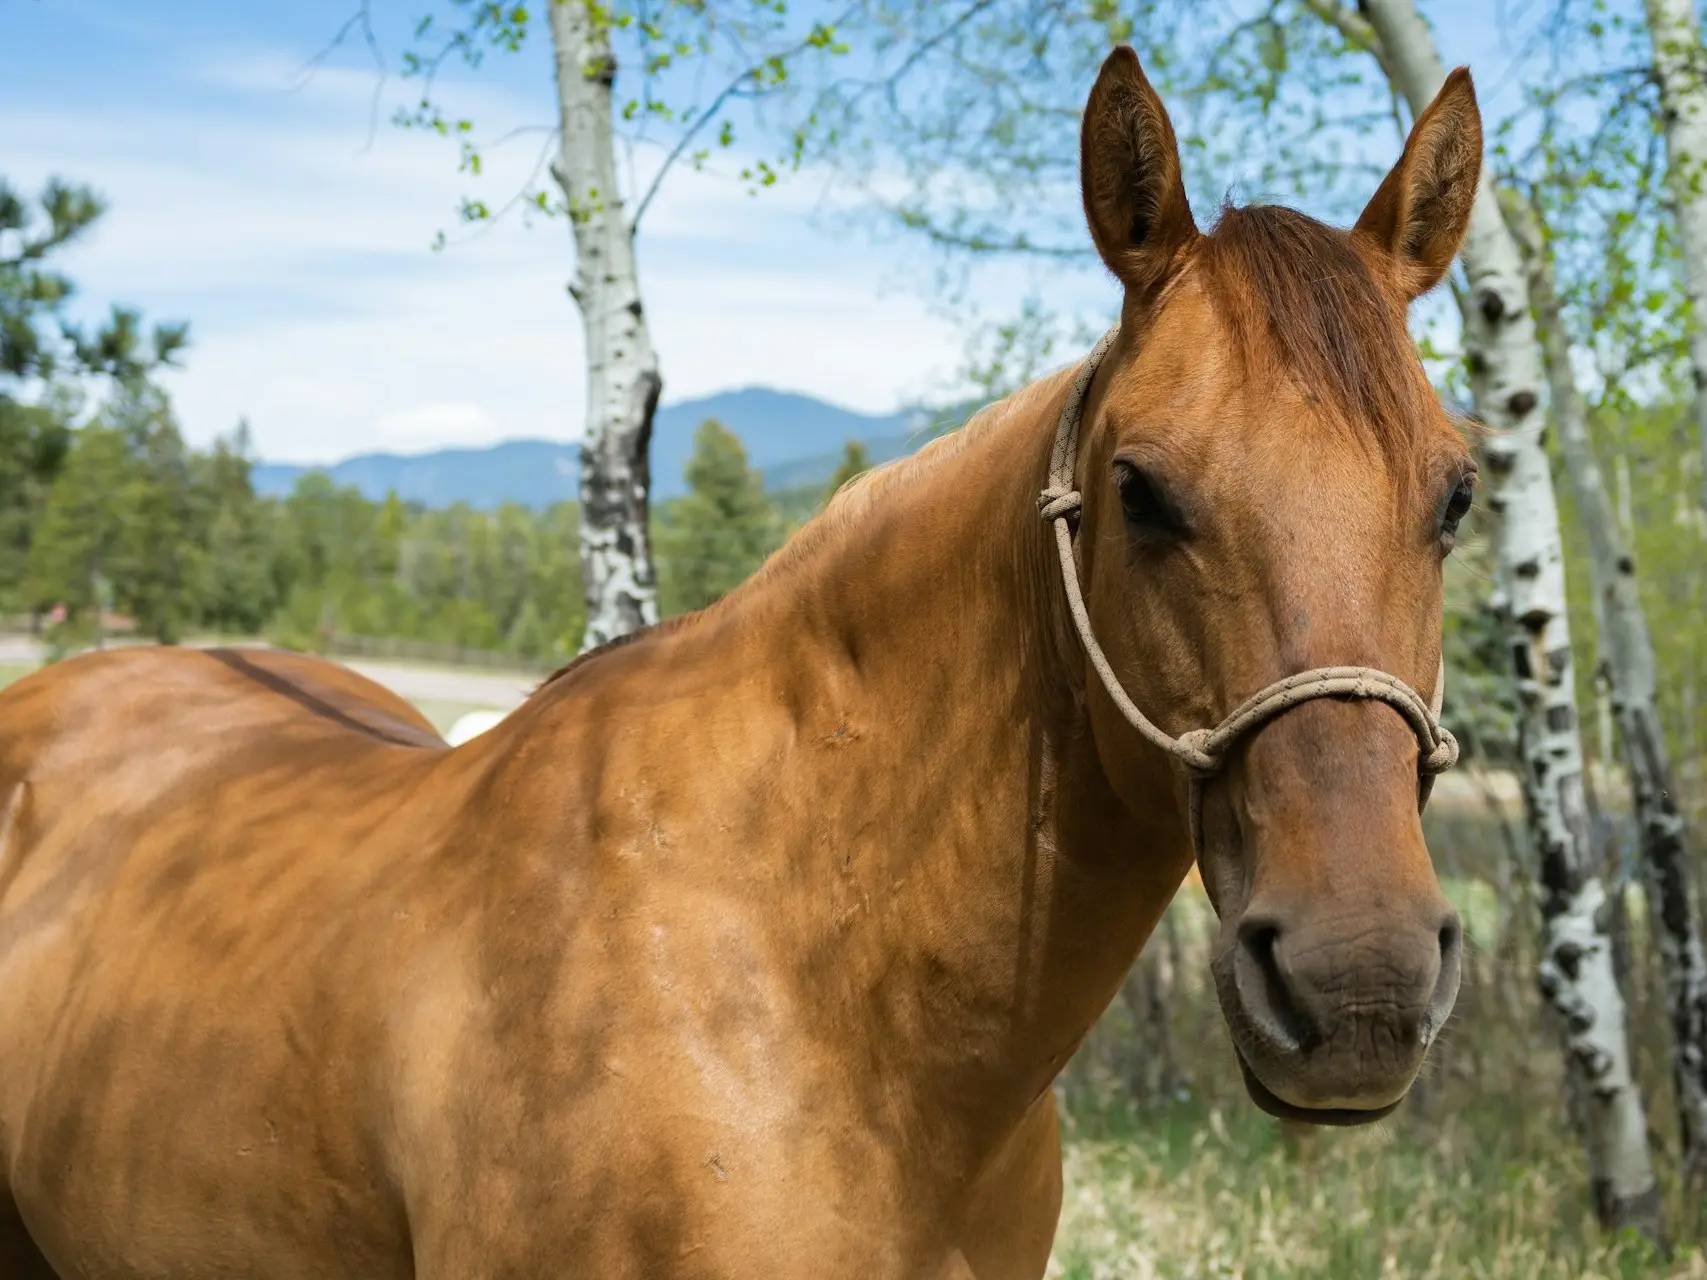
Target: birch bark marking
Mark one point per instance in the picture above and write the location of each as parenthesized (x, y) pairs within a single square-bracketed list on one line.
[(1680, 67), (1504, 359), (1630, 658), (1634, 693), (623, 382)]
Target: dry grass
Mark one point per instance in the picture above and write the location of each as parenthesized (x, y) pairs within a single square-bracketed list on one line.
[(1190, 1191)]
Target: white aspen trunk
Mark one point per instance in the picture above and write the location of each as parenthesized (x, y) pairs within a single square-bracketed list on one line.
[(1629, 648), (1680, 67), (623, 382), (1576, 970)]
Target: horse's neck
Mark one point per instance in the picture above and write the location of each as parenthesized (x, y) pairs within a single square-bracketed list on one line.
[(988, 890)]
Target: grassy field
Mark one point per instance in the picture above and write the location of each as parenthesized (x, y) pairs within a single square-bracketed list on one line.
[(1491, 1190)]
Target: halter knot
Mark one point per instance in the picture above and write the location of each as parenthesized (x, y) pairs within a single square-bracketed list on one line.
[(1194, 749), (1057, 501), (1444, 755)]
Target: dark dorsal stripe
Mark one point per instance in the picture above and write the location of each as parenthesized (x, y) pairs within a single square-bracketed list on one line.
[(408, 737)]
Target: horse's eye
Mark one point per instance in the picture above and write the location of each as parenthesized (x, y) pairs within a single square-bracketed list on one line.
[(1457, 507), (1144, 504)]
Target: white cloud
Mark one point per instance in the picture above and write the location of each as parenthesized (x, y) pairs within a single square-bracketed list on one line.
[(426, 426), (273, 71)]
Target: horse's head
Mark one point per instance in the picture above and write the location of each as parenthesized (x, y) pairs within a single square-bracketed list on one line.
[(1271, 486)]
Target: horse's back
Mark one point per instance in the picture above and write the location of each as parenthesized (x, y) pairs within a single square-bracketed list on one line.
[(107, 757), (193, 855), (176, 694)]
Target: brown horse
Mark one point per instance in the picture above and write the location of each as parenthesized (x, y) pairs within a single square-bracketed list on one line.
[(751, 947)]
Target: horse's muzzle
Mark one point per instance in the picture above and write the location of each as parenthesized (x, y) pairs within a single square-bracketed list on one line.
[(1332, 1019)]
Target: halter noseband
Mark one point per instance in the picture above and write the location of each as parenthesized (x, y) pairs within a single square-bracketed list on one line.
[(1202, 752)]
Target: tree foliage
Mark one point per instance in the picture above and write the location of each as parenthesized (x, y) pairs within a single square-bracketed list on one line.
[(138, 530), (725, 526), (47, 363), (36, 340), (692, 78), (855, 461)]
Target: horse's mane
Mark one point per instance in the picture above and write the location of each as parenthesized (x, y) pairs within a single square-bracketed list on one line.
[(663, 628), (853, 502), (1297, 292), (847, 507)]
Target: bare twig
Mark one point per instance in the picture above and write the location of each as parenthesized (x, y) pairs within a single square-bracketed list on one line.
[(1354, 27), (359, 21), (728, 91)]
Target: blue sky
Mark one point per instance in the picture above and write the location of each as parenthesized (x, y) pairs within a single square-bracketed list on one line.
[(257, 204)]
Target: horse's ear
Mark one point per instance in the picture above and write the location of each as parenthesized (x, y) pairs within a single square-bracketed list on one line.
[(1129, 171), (1419, 214)]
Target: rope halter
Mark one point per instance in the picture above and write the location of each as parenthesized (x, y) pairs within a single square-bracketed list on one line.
[(1201, 753)]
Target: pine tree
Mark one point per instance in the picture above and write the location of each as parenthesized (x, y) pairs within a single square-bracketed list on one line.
[(42, 358), (36, 342), (722, 530), (154, 575), (82, 528), (529, 636), (234, 591), (855, 460), (34, 439), (31, 293)]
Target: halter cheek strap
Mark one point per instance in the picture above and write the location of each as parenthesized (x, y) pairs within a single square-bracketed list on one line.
[(1201, 753)]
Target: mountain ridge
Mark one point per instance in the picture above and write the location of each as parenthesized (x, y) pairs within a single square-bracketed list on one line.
[(796, 440)]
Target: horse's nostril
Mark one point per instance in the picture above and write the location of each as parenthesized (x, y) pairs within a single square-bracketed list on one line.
[(1273, 1009), (1258, 938), (1451, 939)]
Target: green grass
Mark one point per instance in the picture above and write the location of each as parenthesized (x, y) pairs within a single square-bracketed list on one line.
[(1193, 1190)]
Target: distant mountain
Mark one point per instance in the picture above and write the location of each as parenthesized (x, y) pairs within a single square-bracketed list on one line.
[(796, 440), (535, 473)]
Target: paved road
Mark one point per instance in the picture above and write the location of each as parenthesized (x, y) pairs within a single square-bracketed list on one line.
[(19, 649), (446, 684)]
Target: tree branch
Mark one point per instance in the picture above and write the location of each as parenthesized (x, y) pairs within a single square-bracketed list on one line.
[(688, 135), (1354, 27), (976, 242), (361, 20)]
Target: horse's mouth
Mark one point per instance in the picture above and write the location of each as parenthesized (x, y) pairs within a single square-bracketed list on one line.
[(1337, 1117)]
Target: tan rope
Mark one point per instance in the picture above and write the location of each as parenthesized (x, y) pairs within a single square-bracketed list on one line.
[(1201, 752)]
